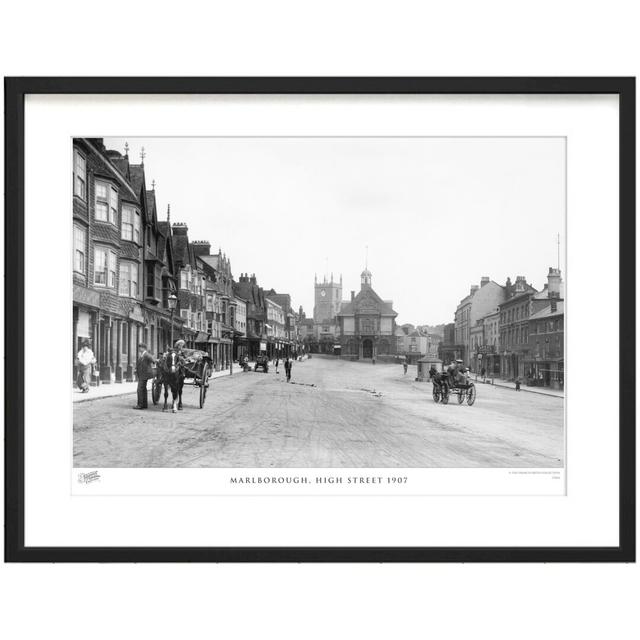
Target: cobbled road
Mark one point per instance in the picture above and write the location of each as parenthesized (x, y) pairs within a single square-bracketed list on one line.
[(333, 414)]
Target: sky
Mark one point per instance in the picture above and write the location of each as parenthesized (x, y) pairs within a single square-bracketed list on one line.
[(436, 214)]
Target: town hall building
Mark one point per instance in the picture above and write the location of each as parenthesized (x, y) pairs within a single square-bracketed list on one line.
[(366, 323)]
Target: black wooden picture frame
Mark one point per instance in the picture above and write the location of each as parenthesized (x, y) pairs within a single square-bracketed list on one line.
[(15, 91)]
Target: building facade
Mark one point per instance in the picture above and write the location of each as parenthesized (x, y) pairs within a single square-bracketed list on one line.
[(247, 288), (366, 323), (545, 365), (486, 350), (121, 268), (412, 343), (220, 303), (481, 300), (514, 329), (290, 342), (240, 329), (449, 349)]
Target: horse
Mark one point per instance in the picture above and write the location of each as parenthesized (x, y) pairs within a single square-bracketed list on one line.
[(438, 378), (172, 374)]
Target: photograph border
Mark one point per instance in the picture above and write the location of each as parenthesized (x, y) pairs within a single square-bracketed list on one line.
[(15, 91)]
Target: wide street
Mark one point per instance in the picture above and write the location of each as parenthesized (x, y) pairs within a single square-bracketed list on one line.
[(333, 414)]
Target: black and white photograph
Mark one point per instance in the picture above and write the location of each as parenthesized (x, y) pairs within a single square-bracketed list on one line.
[(319, 302)]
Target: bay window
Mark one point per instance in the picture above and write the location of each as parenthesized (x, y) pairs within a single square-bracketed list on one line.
[(128, 279), (79, 175), (130, 224), (106, 197), (105, 260), (79, 249), (185, 278)]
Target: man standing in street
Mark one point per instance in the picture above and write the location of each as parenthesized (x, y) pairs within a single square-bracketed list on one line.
[(287, 368), (144, 371)]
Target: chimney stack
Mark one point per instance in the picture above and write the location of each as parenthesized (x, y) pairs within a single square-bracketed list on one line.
[(554, 305), (474, 288), (554, 279), (201, 247), (484, 280), (179, 229), (353, 295)]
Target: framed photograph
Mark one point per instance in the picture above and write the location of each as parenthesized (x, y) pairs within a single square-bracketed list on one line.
[(320, 319)]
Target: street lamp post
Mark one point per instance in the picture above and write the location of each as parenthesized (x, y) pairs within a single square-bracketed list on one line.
[(172, 301)]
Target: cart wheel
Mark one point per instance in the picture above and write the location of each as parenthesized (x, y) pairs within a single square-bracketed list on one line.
[(471, 395), (436, 394), (204, 384), (156, 388), (445, 396), (461, 396)]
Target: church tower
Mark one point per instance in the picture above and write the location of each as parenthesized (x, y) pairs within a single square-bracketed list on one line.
[(328, 296)]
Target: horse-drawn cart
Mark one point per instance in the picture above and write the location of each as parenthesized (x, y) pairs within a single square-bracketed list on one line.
[(197, 369), (195, 366), (444, 388)]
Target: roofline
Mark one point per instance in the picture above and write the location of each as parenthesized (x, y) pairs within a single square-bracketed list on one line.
[(112, 168), (520, 295)]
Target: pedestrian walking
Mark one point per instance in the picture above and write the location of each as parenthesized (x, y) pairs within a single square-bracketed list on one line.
[(405, 366), (86, 360), (483, 371), (287, 368), (277, 363), (144, 371), (518, 383)]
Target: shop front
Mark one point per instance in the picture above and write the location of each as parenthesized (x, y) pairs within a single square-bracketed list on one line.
[(546, 373)]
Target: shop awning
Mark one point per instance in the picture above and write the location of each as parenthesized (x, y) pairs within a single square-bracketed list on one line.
[(201, 337)]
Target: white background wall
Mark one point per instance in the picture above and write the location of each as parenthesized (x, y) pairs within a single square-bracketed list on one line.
[(332, 38)]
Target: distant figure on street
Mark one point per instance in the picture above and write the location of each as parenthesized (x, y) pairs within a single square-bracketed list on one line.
[(405, 366), (287, 368), (518, 383), (144, 371), (483, 371), (373, 360), (86, 360), (277, 363)]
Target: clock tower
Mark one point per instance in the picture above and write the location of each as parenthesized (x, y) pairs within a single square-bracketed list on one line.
[(328, 296)]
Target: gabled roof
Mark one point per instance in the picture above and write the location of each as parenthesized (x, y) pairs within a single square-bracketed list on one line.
[(152, 214), (547, 313), (252, 293), (122, 165), (180, 249), (208, 268), (136, 177), (544, 294), (521, 294), (366, 296)]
